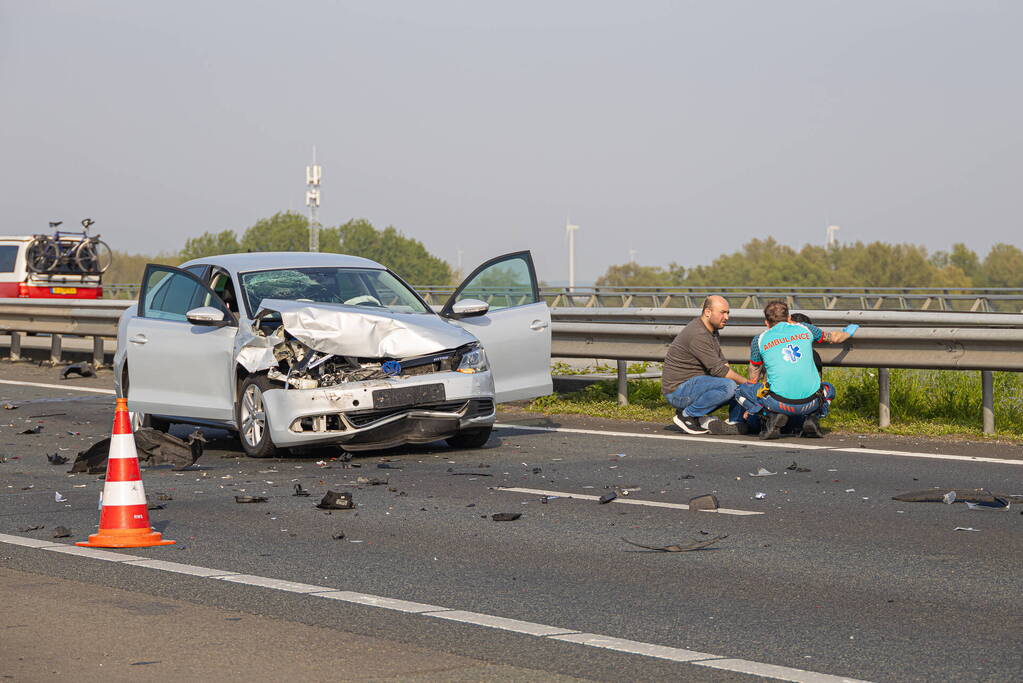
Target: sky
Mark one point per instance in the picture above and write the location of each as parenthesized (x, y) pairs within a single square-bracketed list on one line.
[(676, 129)]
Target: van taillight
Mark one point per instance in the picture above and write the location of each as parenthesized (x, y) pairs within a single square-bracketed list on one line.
[(22, 290)]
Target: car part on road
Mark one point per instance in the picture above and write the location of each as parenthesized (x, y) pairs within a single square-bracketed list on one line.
[(80, 369), (61, 532), (762, 472), (705, 502), (58, 497), (299, 491), (26, 529), (505, 516), (153, 446), (794, 467), (760, 495), (56, 459), (965, 528), (33, 430), (676, 548), (965, 495), (607, 498), (251, 418), (333, 500), (250, 499), (370, 481), (9, 406), (949, 498), (998, 504)]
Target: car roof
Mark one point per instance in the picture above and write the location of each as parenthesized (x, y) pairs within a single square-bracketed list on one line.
[(270, 260)]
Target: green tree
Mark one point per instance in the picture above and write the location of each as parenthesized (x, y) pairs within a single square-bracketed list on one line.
[(405, 256), (210, 244), (965, 259), (284, 231), (1003, 267), (635, 275)]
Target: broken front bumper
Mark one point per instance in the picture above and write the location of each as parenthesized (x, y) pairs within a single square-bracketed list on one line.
[(346, 414)]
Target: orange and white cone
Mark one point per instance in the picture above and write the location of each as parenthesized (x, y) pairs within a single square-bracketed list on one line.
[(124, 520)]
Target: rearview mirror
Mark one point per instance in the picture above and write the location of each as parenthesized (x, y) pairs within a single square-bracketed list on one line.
[(467, 308), (209, 316)]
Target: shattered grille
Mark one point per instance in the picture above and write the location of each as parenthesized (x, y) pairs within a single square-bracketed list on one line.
[(365, 417)]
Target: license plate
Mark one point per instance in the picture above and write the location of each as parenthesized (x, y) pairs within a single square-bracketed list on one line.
[(408, 396), (63, 290)]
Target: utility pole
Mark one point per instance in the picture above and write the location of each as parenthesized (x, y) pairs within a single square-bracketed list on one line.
[(312, 200), (570, 233)]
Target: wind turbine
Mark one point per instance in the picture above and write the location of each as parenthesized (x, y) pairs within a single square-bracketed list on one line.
[(570, 234)]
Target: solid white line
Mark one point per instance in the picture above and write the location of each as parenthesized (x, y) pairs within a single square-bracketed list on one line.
[(766, 444), (624, 501), (57, 386), (634, 647), (476, 618), (772, 671), (502, 623)]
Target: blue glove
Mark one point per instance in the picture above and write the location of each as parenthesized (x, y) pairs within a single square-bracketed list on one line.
[(851, 328)]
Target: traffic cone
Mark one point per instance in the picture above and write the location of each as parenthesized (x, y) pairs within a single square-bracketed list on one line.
[(124, 521)]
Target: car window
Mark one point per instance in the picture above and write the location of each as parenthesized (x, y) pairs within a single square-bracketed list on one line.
[(8, 257), (169, 295), (364, 287), (504, 284)]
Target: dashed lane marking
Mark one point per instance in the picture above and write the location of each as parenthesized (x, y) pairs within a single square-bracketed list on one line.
[(486, 620), (623, 501), (762, 444)]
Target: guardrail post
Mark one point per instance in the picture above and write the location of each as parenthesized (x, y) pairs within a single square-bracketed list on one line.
[(884, 396), (98, 355), (623, 383), (987, 390), (15, 345), (56, 341)]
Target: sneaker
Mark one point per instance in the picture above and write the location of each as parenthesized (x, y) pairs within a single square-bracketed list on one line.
[(688, 424), (772, 428), (716, 426), (811, 428)]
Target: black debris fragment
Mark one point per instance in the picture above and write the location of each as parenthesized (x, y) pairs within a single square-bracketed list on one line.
[(505, 516), (537, 470), (676, 548), (336, 501), (705, 502), (154, 448), (370, 481), (688, 476), (26, 529), (999, 503), (155, 506), (339, 536), (299, 491), (794, 467), (468, 474), (56, 459), (607, 498), (61, 532), (249, 499), (80, 369), (33, 430), (961, 495)]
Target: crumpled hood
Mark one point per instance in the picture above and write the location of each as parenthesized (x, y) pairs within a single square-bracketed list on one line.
[(365, 333)]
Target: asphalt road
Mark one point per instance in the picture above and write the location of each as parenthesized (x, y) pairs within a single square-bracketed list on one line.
[(833, 577)]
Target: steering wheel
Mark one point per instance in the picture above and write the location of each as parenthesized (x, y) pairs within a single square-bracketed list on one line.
[(364, 300)]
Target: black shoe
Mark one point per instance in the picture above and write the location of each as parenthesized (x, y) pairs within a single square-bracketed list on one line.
[(688, 424), (775, 421), (811, 429), (716, 426)]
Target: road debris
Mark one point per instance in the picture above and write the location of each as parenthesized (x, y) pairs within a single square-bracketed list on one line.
[(794, 467), (607, 498), (154, 506), (387, 466), (505, 516), (370, 481), (762, 472), (676, 548), (938, 495), (338, 536), (705, 502), (299, 491), (159, 495), (949, 498), (61, 532), (999, 503), (80, 369), (760, 495), (33, 430), (333, 500), (26, 529), (154, 448), (58, 498), (9, 406), (56, 459), (250, 499), (965, 528)]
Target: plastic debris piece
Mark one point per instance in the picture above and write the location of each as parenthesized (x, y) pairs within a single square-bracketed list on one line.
[(965, 528), (250, 499), (607, 498), (850, 490), (299, 491), (9, 406), (966, 495), (949, 498), (56, 459), (155, 506), (58, 498), (61, 532), (999, 503), (33, 430), (80, 369), (678, 548), (705, 502), (760, 495), (794, 467), (340, 536), (505, 516), (26, 529), (371, 481), (762, 472), (333, 500)]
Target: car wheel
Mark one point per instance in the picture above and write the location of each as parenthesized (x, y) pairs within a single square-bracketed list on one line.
[(250, 413), (470, 438)]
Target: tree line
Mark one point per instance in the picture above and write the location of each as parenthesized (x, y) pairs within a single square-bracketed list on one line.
[(289, 231), (766, 263)]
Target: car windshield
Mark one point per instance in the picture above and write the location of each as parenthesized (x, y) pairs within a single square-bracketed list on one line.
[(366, 287)]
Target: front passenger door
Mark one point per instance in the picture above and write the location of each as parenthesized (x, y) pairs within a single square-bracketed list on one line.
[(516, 331)]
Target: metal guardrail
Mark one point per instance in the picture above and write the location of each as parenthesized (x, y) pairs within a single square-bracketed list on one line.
[(888, 339)]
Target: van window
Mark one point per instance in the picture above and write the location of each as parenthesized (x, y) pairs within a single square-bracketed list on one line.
[(8, 257)]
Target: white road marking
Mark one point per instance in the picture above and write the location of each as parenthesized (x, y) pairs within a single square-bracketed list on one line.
[(764, 444), (502, 623), (633, 647), (476, 618), (58, 386), (623, 501)]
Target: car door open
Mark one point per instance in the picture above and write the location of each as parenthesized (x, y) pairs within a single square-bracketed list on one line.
[(515, 328), (179, 367)]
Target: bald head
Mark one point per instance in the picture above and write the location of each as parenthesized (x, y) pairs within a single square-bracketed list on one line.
[(715, 312)]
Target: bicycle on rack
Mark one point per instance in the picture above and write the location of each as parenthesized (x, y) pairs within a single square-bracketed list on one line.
[(68, 252)]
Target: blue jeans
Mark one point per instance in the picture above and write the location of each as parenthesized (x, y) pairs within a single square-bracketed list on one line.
[(746, 400), (701, 395)]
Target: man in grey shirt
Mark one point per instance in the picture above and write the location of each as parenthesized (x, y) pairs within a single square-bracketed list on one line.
[(697, 379)]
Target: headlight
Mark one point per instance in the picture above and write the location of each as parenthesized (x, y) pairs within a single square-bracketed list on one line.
[(474, 360)]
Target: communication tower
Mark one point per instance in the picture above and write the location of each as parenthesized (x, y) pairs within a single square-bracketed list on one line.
[(312, 200)]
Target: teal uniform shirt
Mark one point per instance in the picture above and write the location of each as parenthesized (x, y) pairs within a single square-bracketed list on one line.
[(786, 352)]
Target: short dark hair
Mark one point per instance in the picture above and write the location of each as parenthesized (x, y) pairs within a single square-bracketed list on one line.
[(707, 305), (801, 318), (776, 312)]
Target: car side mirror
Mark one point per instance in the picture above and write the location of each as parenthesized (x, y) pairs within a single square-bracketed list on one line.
[(468, 308), (209, 316)]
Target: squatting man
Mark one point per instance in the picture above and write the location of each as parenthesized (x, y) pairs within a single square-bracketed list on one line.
[(697, 380)]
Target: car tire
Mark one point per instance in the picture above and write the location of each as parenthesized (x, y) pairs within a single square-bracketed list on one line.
[(470, 438), (250, 416)]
